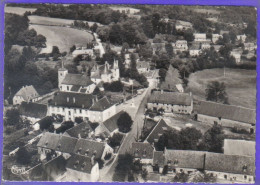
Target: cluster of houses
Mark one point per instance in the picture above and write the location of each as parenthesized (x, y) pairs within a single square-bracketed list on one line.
[(236, 164)]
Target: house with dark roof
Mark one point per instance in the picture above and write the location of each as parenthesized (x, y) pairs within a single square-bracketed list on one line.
[(239, 147), (160, 128), (183, 25), (171, 102), (77, 83), (143, 66), (227, 115), (82, 169), (143, 152), (81, 130), (109, 126), (64, 145), (105, 73), (86, 106), (25, 94), (194, 50), (32, 111)]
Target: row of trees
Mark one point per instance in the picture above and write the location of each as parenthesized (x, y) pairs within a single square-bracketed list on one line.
[(192, 139)]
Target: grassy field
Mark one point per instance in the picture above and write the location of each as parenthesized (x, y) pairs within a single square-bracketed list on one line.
[(240, 85), (62, 37), (18, 10), (34, 19)]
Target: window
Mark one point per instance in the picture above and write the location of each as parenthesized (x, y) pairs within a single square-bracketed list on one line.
[(69, 113), (80, 111), (68, 88), (245, 177), (225, 176)]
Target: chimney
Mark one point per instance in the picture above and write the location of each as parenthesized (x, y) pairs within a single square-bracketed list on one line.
[(161, 91), (92, 160), (79, 136), (74, 99), (68, 99), (190, 94), (83, 106)]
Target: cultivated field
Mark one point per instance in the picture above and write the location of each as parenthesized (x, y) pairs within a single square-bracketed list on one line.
[(18, 10), (240, 85), (62, 37), (34, 19)]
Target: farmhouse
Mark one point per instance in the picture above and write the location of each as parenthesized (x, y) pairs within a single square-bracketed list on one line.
[(216, 37), (82, 168), (236, 55), (205, 46), (143, 67), (143, 152), (250, 46), (25, 94), (241, 38), (82, 130), (200, 37), (182, 25), (86, 106), (239, 147), (76, 83), (32, 111), (174, 102), (105, 73), (194, 50), (180, 46), (226, 115)]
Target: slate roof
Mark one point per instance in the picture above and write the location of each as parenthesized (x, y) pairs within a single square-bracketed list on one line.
[(81, 129), (157, 131), (230, 163), (77, 79), (65, 99), (230, 112), (142, 150), (49, 140), (34, 110), (80, 163), (195, 47), (89, 148), (239, 147), (66, 144), (75, 88), (101, 105), (27, 92), (158, 158), (111, 123), (174, 98), (185, 158)]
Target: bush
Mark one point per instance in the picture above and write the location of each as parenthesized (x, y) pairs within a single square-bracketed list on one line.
[(116, 86), (115, 140), (239, 131), (108, 156), (65, 126), (78, 120), (124, 122), (46, 122)]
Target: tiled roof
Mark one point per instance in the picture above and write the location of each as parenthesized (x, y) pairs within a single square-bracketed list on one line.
[(230, 163), (239, 147), (80, 163), (49, 140), (66, 144), (174, 98), (158, 158), (184, 23), (81, 129), (195, 47), (66, 99), (185, 158), (142, 150), (101, 105), (89, 148), (75, 88), (27, 92), (157, 131), (225, 111), (142, 64), (111, 123), (77, 79), (34, 110)]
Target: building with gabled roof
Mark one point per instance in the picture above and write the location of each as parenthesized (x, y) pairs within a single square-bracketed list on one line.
[(194, 50), (143, 66), (216, 37), (160, 128), (105, 73), (239, 147), (227, 115), (183, 25), (171, 102), (81, 130), (82, 168), (85, 106), (77, 83), (25, 94), (143, 152), (200, 37)]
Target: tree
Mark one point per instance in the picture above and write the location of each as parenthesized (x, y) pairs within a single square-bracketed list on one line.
[(115, 140), (124, 122), (162, 142), (123, 167), (169, 49), (216, 91), (78, 120), (189, 138), (144, 174), (213, 139), (181, 177), (94, 27), (72, 48), (55, 51), (46, 123), (116, 86), (65, 126), (12, 117), (23, 157), (162, 74)]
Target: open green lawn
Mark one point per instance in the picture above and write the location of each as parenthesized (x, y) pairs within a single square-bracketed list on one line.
[(18, 10), (240, 85), (62, 37), (35, 19)]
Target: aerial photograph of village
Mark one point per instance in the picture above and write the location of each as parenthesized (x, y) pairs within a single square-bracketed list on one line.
[(129, 93)]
